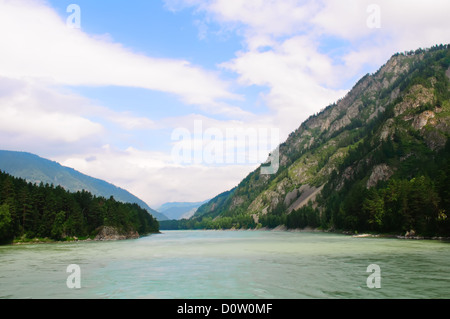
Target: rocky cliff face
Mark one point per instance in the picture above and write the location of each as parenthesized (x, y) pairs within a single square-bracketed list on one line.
[(404, 103), (111, 233)]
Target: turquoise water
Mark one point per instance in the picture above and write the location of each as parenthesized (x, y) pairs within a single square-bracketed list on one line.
[(229, 264)]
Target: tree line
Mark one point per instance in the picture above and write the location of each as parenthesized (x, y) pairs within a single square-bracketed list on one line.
[(46, 211)]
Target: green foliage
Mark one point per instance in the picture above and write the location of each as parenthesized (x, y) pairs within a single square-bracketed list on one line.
[(45, 211), (303, 217), (403, 205), (272, 220), (58, 225), (241, 221), (5, 223), (415, 198)]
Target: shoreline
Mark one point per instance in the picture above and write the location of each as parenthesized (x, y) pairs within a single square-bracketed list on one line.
[(318, 230), (402, 237), (102, 233), (40, 241), (407, 236)]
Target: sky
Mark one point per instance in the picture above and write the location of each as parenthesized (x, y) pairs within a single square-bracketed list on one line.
[(178, 100)]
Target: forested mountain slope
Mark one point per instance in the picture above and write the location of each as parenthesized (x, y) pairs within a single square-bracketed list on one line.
[(377, 160)]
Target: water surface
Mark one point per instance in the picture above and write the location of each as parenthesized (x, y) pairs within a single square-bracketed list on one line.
[(229, 264)]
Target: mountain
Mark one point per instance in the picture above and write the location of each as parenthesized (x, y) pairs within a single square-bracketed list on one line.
[(35, 169), (179, 210), (378, 160)]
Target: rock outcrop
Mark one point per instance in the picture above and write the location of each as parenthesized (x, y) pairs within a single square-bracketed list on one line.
[(380, 172), (112, 233), (422, 119)]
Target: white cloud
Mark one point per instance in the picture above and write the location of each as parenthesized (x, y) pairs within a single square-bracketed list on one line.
[(128, 121), (43, 119), (263, 17), (345, 19), (35, 42), (297, 76), (403, 25), (31, 113), (51, 126), (153, 177)]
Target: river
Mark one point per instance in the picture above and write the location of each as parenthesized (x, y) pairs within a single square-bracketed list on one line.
[(228, 264)]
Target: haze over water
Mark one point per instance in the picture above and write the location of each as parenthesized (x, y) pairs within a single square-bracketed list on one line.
[(229, 264)]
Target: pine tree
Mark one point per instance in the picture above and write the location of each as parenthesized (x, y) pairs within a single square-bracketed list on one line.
[(6, 229)]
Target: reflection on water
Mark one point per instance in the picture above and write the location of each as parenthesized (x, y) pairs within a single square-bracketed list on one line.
[(229, 264)]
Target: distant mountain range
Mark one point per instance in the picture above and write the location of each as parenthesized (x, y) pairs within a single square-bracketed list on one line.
[(35, 169), (179, 210)]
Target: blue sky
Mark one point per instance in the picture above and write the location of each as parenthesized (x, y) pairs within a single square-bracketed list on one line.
[(108, 98)]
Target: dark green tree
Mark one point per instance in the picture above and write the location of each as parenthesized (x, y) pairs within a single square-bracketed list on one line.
[(6, 229)]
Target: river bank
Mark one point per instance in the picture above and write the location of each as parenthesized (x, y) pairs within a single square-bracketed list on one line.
[(112, 234), (411, 235), (104, 233)]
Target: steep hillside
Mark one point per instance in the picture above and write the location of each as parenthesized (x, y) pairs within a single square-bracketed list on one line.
[(35, 169), (377, 160)]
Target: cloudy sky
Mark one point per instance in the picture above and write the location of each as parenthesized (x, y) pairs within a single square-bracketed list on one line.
[(115, 88)]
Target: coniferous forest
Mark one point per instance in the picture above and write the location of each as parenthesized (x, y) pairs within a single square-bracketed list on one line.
[(30, 211)]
